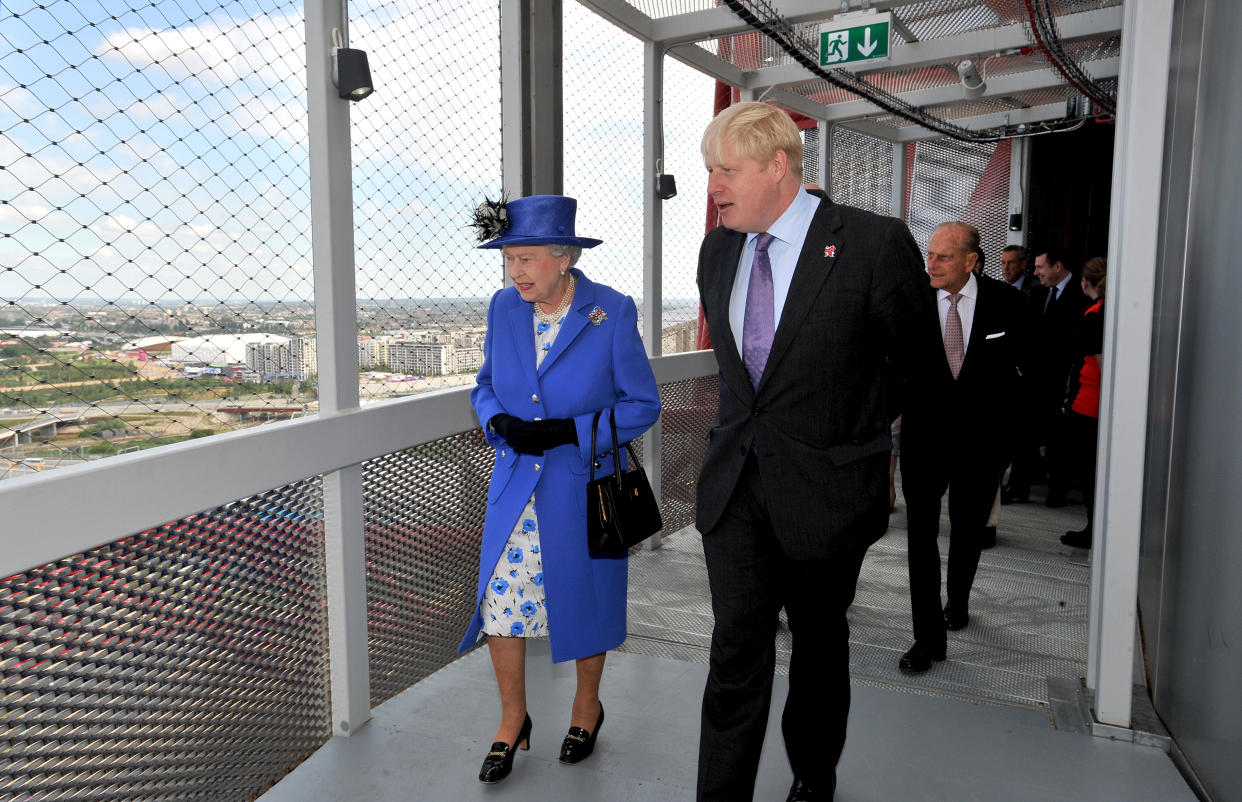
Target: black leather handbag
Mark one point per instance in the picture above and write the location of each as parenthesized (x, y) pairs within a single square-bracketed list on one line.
[(621, 509)]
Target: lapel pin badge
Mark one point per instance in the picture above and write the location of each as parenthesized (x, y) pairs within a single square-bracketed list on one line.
[(597, 316), (830, 252)]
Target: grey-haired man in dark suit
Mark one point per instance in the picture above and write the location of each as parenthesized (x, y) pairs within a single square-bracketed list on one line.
[(808, 305)]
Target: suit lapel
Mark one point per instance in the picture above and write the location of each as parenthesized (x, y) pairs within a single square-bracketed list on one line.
[(720, 290), (812, 271)]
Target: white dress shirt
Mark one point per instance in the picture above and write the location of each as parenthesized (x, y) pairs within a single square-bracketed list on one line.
[(789, 232), (965, 308)]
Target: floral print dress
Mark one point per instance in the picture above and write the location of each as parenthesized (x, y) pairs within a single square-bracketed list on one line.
[(513, 604)]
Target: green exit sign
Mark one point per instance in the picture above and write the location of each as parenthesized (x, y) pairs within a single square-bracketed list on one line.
[(854, 37)]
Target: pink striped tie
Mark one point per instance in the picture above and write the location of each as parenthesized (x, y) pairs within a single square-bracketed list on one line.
[(954, 343)]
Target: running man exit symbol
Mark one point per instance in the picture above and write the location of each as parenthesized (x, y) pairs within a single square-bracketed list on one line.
[(854, 37)]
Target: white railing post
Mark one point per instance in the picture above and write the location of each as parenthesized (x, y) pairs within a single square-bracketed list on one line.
[(332, 243)]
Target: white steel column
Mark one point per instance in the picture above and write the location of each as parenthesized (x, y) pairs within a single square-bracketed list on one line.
[(332, 244), (899, 179), (1019, 173), (653, 240), (512, 101), (531, 97), (824, 178), (1132, 249)]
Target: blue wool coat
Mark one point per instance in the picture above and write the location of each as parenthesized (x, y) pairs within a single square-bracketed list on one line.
[(590, 368)]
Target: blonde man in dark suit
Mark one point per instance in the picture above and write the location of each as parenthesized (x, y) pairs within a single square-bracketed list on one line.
[(807, 303)]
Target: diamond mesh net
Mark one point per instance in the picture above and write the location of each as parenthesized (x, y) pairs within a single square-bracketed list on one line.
[(156, 280)]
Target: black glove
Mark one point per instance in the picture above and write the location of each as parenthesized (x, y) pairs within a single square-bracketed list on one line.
[(533, 436)]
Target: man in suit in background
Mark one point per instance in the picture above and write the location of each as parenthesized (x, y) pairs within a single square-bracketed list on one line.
[(1061, 307), (1027, 463), (1013, 270), (808, 304), (959, 392)]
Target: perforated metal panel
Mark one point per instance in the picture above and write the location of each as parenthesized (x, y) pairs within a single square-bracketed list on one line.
[(861, 171), (961, 181), (689, 409), (186, 662), (424, 510), (810, 155)]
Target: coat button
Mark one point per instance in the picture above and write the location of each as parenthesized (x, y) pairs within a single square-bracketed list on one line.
[(538, 467), (502, 453), (741, 450), (534, 397)]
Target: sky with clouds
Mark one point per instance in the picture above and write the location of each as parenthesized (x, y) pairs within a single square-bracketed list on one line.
[(147, 154)]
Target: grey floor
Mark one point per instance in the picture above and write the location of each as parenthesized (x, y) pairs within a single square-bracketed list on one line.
[(979, 726)]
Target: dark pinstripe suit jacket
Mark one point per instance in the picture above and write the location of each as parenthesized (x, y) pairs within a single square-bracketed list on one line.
[(818, 422)]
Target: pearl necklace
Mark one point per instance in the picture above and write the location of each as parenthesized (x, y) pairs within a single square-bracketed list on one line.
[(556, 314)]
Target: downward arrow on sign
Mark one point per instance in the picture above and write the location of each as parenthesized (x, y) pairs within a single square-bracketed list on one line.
[(868, 47)]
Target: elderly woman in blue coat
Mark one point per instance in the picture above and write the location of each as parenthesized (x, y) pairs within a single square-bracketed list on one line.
[(559, 348)]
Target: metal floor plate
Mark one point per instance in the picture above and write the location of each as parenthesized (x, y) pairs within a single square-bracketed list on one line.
[(1028, 611)]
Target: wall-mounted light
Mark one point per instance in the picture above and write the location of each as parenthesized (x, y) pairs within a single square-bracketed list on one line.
[(351, 74), (666, 185), (973, 84)]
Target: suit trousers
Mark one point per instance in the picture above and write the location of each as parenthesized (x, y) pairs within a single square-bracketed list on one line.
[(751, 578), (971, 490)]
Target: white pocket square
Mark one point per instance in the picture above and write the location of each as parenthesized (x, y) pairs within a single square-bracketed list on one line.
[(994, 336)]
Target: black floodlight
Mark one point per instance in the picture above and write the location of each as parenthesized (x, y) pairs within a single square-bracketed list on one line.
[(351, 73)]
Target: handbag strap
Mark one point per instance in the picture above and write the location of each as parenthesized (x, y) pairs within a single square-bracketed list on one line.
[(616, 456)]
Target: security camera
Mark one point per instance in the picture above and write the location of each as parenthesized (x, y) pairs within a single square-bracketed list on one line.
[(972, 81)]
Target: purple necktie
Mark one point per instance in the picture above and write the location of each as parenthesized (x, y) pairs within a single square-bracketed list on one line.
[(760, 322)]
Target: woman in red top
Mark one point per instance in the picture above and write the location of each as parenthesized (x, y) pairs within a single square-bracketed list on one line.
[(1083, 395)]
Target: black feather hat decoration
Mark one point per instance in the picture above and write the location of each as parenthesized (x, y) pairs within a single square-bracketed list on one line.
[(491, 219)]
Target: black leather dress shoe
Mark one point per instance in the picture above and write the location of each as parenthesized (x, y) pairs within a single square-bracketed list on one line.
[(499, 761), (1080, 539), (1056, 498), (954, 620), (802, 791), (579, 744), (989, 538), (920, 658), (1015, 495)]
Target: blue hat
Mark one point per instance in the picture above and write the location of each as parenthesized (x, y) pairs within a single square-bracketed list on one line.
[(533, 220)]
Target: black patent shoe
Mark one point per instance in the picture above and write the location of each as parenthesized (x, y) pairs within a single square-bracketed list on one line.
[(579, 744), (1080, 539), (919, 658), (802, 791), (955, 619), (499, 761)]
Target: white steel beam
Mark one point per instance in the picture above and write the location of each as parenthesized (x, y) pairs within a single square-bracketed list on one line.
[(914, 133), (709, 63), (624, 16), (998, 86), (951, 49), (173, 484), (1132, 251), (716, 22)]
